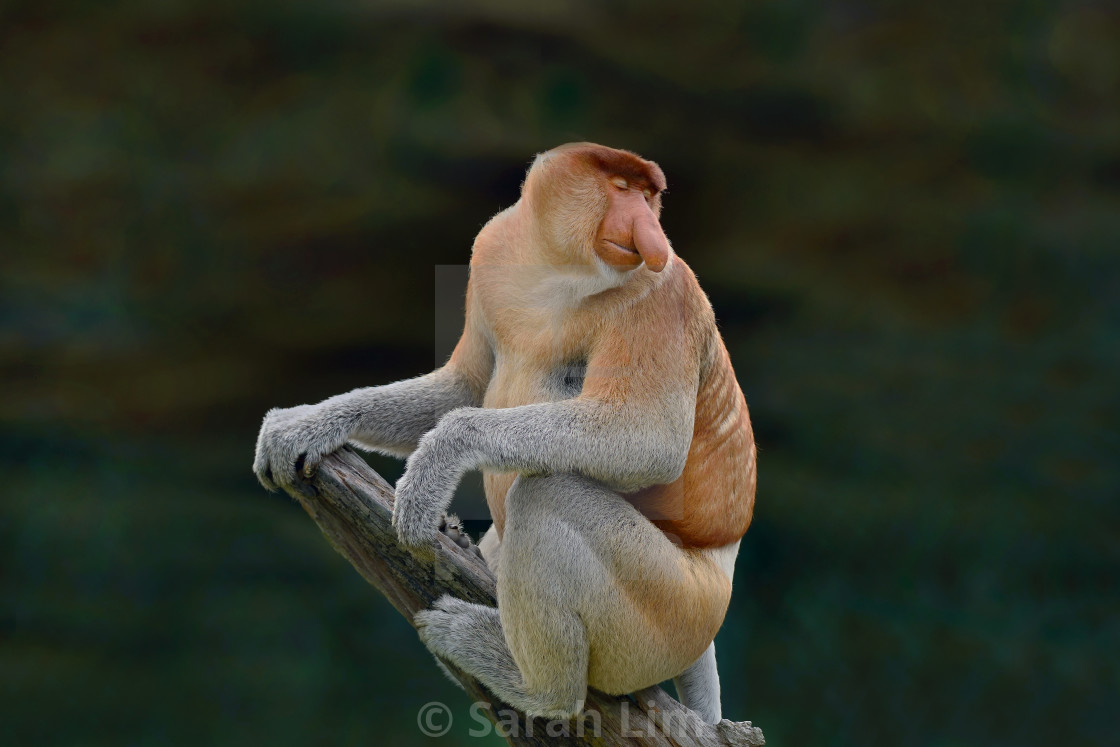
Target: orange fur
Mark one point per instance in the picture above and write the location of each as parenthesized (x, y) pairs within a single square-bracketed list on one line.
[(540, 299)]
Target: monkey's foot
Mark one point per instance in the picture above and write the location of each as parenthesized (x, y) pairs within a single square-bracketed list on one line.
[(450, 525), (470, 636)]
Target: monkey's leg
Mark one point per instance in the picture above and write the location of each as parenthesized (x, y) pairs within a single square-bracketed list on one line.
[(574, 549), (589, 591), (471, 636), (698, 687), (451, 526), (491, 548)]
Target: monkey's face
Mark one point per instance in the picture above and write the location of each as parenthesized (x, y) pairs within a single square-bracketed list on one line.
[(630, 232), (601, 204)]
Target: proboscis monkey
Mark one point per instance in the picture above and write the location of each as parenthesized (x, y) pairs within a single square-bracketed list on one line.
[(594, 392)]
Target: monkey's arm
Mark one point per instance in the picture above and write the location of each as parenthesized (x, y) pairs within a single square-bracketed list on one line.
[(390, 418), (631, 427)]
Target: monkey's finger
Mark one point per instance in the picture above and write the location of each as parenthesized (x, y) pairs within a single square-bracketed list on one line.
[(264, 477), (310, 464), (290, 479), (306, 464), (413, 530)]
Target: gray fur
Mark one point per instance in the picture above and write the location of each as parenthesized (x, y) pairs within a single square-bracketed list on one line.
[(534, 650), (471, 635), (698, 687), (571, 436), (390, 419), (571, 543)]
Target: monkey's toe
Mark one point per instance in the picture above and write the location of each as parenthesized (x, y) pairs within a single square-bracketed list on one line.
[(452, 605), (450, 628), (450, 525), (436, 629)]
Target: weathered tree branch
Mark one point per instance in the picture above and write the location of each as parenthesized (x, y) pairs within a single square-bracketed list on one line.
[(352, 505)]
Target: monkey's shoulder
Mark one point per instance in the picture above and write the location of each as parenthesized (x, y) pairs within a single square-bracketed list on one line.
[(677, 313), (680, 296)]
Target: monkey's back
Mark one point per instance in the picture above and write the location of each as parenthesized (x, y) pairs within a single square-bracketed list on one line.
[(712, 502)]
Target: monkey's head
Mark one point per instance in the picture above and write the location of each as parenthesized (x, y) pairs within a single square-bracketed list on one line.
[(598, 203)]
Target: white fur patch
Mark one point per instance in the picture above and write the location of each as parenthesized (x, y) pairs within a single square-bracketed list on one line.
[(565, 287), (724, 557)]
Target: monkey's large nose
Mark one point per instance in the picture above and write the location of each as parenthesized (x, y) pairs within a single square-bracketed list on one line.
[(651, 242)]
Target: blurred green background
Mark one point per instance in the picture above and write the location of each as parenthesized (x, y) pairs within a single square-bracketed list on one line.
[(907, 216)]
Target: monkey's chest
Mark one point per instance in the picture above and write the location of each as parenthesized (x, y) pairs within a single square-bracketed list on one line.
[(514, 383)]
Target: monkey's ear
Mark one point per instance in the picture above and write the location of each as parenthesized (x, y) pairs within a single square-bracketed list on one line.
[(650, 241)]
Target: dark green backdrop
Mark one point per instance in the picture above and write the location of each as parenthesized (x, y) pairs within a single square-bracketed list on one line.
[(907, 216)]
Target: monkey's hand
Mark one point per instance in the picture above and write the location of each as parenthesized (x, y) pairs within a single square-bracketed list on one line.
[(431, 475), (291, 444)]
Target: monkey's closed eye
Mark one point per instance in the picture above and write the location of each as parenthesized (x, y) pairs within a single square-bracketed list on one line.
[(619, 182)]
